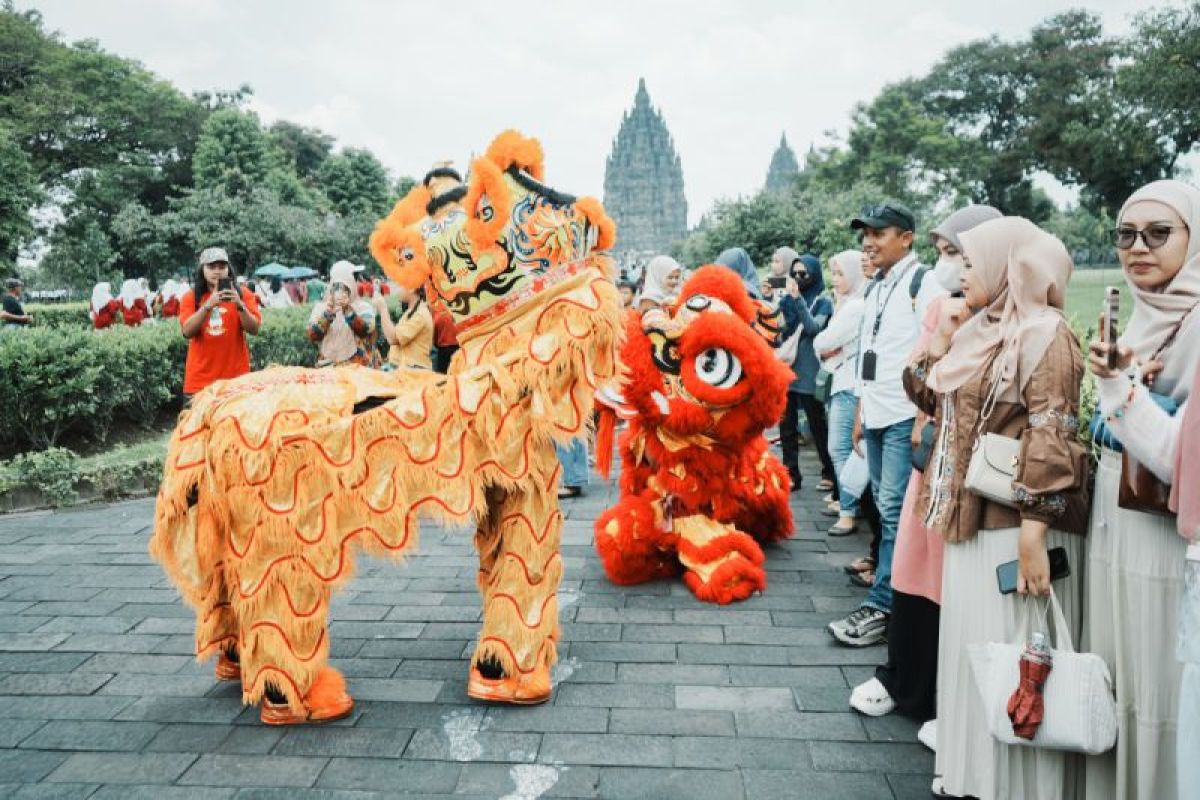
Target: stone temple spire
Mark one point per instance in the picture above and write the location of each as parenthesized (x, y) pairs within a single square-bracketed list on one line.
[(784, 169), (643, 182)]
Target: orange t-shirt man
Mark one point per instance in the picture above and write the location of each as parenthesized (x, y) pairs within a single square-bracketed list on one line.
[(219, 351)]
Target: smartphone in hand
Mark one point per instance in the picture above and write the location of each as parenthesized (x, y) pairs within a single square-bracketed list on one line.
[(225, 285), (1108, 335), (1006, 574)]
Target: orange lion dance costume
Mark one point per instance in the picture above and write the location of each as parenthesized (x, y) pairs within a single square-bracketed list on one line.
[(275, 480), (699, 489)]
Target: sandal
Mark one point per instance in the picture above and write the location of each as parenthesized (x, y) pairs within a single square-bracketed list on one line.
[(864, 579), (568, 492), (825, 485), (864, 564), (839, 531)]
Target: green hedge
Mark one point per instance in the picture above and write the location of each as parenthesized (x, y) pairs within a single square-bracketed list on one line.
[(57, 315), (61, 380)]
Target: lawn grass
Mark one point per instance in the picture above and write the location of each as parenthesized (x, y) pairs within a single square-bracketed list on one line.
[(1085, 295)]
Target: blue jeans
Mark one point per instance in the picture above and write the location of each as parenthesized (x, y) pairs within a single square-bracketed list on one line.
[(573, 458), (889, 457), (841, 428)]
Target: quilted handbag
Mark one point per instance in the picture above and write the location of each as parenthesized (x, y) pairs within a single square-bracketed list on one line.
[(1080, 709)]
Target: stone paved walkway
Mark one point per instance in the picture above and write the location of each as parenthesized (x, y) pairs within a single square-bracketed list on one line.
[(659, 696)]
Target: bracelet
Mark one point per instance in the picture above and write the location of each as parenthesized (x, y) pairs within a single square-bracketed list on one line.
[(1119, 411)]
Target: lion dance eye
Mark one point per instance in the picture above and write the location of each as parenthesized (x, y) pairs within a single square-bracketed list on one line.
[(406, 254), (718, 368), (698, 302)]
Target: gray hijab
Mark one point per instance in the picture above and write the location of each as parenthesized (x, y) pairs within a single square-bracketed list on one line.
[(961, 221), (738, 260)]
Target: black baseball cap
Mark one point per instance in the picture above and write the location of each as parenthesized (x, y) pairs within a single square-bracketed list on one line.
[(885, 215)]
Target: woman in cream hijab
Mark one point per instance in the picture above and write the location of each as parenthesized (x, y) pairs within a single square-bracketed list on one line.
[(1137, 562), (344, 325), (661, 286), (1003, 360)]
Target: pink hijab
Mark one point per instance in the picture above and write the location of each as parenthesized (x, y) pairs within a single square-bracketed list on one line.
[(1025, 271)]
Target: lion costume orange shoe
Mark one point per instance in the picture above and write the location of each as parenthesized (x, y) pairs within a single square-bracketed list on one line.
[(274, 481), (699, 490)]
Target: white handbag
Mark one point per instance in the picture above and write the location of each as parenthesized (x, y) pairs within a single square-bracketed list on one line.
[(993, 467), (994, 458), (1080, 710)]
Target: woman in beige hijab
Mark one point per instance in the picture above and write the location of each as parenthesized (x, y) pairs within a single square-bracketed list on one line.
[(343, 326), (1136, 560), (1003, 360)]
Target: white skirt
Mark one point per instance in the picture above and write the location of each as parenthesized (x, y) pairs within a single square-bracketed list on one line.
[(969, 760), (1134, 587)]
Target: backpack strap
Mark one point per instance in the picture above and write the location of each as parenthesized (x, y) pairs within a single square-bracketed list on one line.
[(914, 285)]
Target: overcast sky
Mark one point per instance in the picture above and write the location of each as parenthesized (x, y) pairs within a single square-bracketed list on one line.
[(417, 82)]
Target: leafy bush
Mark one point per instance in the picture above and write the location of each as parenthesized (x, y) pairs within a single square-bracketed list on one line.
[(61, 380), (58, 315), (53, 472)]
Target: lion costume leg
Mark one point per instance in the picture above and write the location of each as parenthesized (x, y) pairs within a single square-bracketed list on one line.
[(633, 544), (520, 568), (723, 564)]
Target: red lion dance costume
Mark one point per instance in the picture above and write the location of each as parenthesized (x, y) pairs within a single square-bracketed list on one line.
[(274, 481), (698, 486)]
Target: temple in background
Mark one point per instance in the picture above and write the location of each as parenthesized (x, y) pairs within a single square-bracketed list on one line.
[(784, 168), (643, 183)]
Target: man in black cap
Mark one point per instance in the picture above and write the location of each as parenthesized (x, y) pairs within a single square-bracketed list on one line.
[(895, 304), (13, 315)]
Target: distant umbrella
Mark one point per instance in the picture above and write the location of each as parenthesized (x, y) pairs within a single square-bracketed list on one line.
[(272, 270)]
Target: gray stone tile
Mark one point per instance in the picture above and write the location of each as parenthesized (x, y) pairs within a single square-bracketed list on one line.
[(347, 742), (613, 749), (14, 731), (43, 662), (627, 652), (732, 654), (699, 752), (104, 643), (53, 683), (672, 722), (250, 740), (122, 768), (146, 685), (733, 698), (646, 695), (709, 674), (63, 707), (873, 757), (389, 775), (92, 735), (673, 633), (668, 784), (831, 786), (160, 792), (140, 664), (788, 676), (547, 719), (27, 766), (528, 781), (31, 641), (54, 791), (463, 744), (247, 770), (799, 725), (174, 709), (186, 737)]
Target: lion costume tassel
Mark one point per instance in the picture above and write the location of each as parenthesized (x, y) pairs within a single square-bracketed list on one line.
[(699, 489), (274, 481)]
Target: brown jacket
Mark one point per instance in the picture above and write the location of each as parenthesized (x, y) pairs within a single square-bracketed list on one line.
[(1052, 471)]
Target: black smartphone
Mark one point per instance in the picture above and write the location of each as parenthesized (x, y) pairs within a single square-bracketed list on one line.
[(868, 366), (777, 281), (225, 285), (1112, 308), (1006, 574)]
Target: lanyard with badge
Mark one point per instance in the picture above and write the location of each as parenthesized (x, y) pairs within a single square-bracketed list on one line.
[(867, 361)]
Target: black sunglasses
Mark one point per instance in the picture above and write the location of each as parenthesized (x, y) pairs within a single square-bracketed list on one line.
[(1154, 236)]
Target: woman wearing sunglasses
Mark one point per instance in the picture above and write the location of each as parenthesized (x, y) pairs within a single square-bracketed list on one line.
[(1136, 563)]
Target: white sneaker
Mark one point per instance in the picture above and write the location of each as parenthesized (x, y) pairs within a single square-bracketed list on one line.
[(927, 735), (872, 699)]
